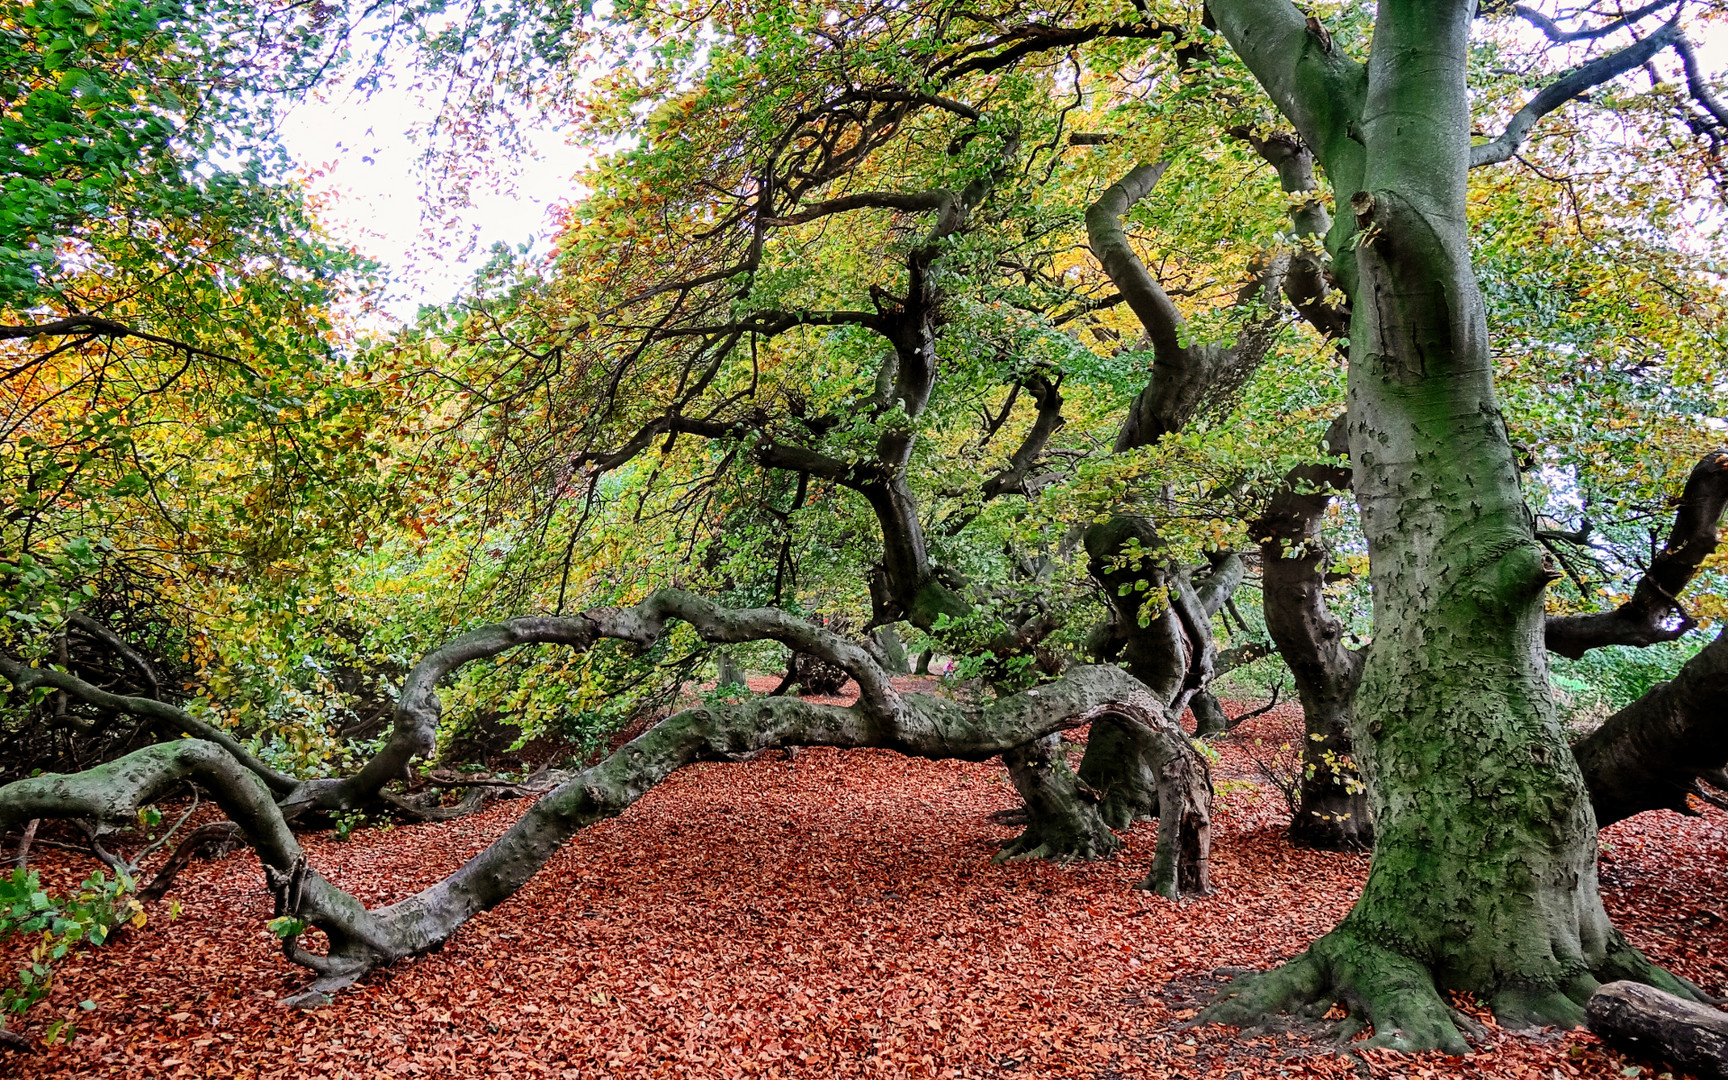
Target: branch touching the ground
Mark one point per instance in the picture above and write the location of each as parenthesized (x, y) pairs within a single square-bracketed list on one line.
[(362, 941), (1654, 612), (415, 729), (1644, 1022)]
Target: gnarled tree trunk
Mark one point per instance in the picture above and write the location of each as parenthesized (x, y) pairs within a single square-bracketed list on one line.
[(1332, 812)]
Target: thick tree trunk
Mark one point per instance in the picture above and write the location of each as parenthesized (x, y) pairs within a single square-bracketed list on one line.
[(1063, 819), (1484, 870), (1184, 799)]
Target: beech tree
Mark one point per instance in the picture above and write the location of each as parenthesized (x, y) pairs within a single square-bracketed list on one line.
[(1483, 877), (1020, 331)]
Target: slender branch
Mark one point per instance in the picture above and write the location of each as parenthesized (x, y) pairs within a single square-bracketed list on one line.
[(1568, 87), (1049, 420), (168, 720), (882, 200), (1561, 36), (114, 641), (99, 327), (1695, 81)]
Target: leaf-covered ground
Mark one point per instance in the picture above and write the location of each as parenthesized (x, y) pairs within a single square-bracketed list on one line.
[(836, 915)]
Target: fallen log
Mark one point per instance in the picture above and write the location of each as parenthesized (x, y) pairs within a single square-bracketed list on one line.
[(1646, 1022)]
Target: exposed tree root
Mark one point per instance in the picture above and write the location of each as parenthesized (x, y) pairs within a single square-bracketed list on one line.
[(1397, 994)]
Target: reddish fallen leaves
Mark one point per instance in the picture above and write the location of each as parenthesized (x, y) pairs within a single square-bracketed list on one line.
[(833, 916)]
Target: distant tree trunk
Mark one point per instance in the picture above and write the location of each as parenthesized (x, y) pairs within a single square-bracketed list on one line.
[(727, 670), (1333, 811), (893, 650), (1209, 715)]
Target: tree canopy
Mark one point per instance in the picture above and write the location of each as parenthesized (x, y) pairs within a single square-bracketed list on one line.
[(1110, 350)]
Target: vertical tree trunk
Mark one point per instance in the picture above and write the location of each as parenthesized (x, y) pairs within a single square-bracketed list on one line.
[(1209, 715), (1062, 819), (1484, 871), (1333, 812)]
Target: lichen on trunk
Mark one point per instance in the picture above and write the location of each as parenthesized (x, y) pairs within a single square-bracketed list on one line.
[(1484, 871)]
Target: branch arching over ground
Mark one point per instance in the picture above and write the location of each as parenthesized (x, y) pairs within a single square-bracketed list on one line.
[(918, 725)]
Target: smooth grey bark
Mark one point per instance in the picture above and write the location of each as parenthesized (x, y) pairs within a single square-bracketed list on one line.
[(919, 725), (1159, 623)]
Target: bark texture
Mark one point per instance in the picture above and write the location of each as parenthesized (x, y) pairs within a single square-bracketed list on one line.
[(361, 941), (1484, 870), (1653, 753), (1332, 811), (1654, 613), (1643, 1022)]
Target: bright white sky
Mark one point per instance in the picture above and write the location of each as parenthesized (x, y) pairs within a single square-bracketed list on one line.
[(364, 164), (357, 149)]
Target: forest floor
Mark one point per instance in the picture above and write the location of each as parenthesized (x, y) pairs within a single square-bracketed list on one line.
[(832, 916)]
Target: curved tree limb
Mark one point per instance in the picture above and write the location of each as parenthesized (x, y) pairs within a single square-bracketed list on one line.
[(1048, 395), (1652, 754), (97, 629), (1148, 300), (1561, 36), (1695, 82), (168, 720), (418, 709), (1568, 87), (97, 326), (1308, 279), (1653, 613), (362, 940)]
